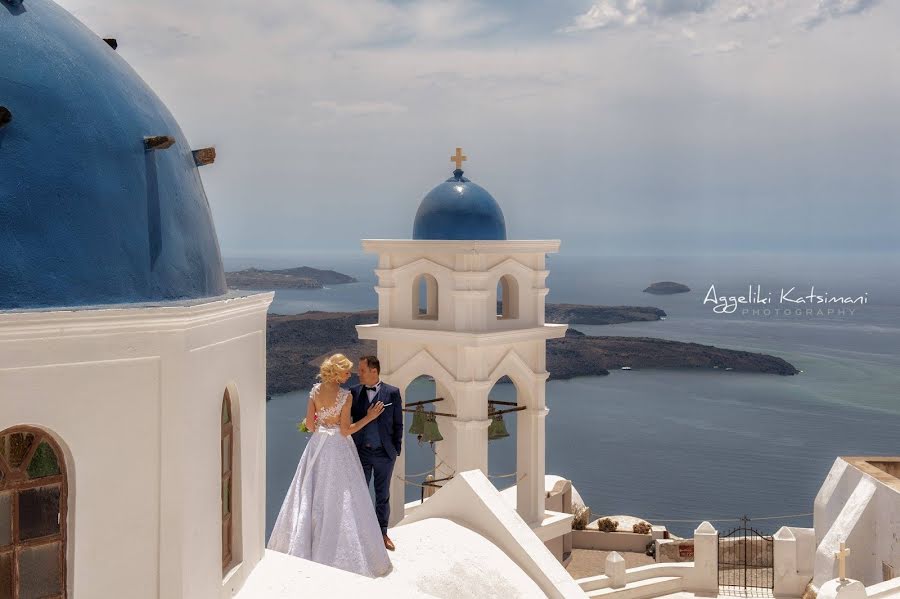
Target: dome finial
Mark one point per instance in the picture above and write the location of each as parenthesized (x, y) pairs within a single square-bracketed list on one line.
[(458, 159)]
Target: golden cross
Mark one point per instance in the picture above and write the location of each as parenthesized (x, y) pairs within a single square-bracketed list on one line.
[(842, 560), (459, 158)]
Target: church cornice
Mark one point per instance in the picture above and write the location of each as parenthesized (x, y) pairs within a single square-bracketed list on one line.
[(159, 317), (460, 338), (419, 246)]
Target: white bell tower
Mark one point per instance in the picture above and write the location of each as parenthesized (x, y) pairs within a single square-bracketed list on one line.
[(464, 305)]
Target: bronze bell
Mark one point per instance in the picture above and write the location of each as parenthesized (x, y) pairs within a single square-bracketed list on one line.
[(418, 421), (497, 429), (431, 432)]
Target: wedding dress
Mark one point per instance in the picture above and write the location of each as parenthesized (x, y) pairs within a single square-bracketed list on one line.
[(327, 515)]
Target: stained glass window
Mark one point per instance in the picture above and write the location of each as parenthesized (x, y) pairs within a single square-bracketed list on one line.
[(227, 481), (32, 515)]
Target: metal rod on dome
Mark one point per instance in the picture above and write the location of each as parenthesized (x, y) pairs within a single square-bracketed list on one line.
[(204, 156), (158, 142), (112, 42)]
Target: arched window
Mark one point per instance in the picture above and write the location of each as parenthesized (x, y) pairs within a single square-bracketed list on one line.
[(507, 297), (227, 482), (425, 298), (33, 496)]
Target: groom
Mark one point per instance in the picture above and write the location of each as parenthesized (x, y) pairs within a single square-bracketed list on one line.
[(378, 443)]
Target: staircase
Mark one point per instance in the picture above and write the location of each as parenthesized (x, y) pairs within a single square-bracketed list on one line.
[(640, 583)]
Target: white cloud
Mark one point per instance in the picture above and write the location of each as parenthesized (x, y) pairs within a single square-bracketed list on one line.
[(688, 33), (624, 13), (834, 9), (744, 12), (728, 47), (359, 108), (440, 20)]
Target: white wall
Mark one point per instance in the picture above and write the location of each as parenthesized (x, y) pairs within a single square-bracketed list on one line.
[(472, 501), (133, 395), (859, 504)]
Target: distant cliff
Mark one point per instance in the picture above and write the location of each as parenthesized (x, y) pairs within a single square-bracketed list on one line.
[(582, 314), (297, 344), (667, 288), (579, 355), (303, 277)]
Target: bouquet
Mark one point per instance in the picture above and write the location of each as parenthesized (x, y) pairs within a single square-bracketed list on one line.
[(301, 426)]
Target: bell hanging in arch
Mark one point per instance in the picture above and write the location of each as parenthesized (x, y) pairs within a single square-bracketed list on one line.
[(497, 429), (418, 422), (431, 432)]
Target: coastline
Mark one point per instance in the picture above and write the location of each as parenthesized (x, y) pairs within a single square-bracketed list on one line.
[(296, 344)]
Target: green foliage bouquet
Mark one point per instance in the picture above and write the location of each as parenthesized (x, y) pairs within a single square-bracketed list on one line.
[(301, 426)]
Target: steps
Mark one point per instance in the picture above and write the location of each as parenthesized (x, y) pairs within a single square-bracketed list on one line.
[(642, 589)]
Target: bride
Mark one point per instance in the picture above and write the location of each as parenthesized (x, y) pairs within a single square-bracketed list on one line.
[(327, 515)]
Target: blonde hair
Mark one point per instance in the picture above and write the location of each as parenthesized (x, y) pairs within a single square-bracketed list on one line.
[(334, 367)]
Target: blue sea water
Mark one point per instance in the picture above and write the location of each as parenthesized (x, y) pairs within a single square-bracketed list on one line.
[(673, 445)]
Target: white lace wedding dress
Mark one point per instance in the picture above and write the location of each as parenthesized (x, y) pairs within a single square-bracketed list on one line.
[(327, 515)]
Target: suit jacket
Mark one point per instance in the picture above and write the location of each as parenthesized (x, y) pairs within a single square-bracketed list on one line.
[(389, 423)]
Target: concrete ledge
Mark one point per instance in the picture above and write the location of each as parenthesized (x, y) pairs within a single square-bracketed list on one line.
[(610, 541), (472, 501), (884, 590), (633, 575), (554, 525)]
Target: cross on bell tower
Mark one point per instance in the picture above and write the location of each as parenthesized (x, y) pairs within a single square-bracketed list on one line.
[(458, 158)]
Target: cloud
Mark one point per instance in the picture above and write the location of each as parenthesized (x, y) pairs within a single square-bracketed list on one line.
[(308, 100), (744, 12), (624, 13), (728, 47), (835, 9), (359, 108)]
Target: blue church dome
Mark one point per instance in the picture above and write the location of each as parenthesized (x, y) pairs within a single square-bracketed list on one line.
[(459, 209), (88, 215)]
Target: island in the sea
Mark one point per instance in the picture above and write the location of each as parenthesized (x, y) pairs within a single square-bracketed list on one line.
[(297, 344), (302, 277), (666, 288)]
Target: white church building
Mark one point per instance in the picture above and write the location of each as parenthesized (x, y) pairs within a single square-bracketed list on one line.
[(132, 382)]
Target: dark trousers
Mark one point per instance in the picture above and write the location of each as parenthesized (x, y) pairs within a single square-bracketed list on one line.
[(378, 462)]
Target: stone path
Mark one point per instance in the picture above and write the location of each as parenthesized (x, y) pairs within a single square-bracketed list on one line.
[(588, 562)]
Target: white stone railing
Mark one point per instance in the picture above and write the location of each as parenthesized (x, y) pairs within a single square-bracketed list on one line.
[(793, 552), (848, 588), (699, 576), (884, 590)]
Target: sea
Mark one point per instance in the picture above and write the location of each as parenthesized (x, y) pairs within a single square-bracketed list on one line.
[(676, 447)]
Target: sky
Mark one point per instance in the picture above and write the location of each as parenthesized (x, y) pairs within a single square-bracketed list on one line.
[(649, 127)]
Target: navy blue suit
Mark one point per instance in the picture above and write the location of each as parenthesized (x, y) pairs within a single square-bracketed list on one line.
[(379, 442)]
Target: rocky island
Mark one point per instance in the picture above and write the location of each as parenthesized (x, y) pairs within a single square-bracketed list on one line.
[(666, 288), (297, 344), (302, 277)]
